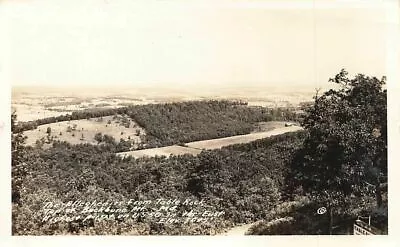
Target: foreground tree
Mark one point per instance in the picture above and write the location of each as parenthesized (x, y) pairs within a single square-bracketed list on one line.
[(18, 167), (345, 153)]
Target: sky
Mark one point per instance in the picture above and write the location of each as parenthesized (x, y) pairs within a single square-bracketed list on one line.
[(177, 43)]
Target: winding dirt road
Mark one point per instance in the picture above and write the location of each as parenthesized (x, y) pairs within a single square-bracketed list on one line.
[(238, 230)]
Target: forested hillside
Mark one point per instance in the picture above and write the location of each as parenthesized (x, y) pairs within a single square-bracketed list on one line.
[(342, 164), (192, 121), (246, 185)]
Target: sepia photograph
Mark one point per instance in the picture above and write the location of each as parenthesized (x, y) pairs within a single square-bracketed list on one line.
[(198, 118)]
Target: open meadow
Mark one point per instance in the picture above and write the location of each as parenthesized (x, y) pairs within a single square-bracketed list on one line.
[(84, 130)]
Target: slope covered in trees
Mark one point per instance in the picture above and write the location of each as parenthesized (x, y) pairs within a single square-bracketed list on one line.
[(342, 164), (192, 121), (246, 185)]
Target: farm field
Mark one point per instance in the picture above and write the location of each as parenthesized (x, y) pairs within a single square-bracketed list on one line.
[(28, 112), (195, 148), (163, 151), (222, 142), (84, 131), (33, 108)]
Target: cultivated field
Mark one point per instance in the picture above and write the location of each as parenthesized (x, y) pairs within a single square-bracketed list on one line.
[(37, 107), (83, 131), (27, 112), (222, 142), (164, 151), (195, 148)]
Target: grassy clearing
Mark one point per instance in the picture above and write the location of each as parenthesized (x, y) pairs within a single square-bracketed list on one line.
[(83, 131)]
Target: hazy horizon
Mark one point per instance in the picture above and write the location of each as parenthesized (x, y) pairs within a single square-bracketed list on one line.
[(182, 44), (157, 92)]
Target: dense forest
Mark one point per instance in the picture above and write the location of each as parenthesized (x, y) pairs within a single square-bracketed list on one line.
[(245, 184), (342, 163), (247, 181), (182, 122)]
